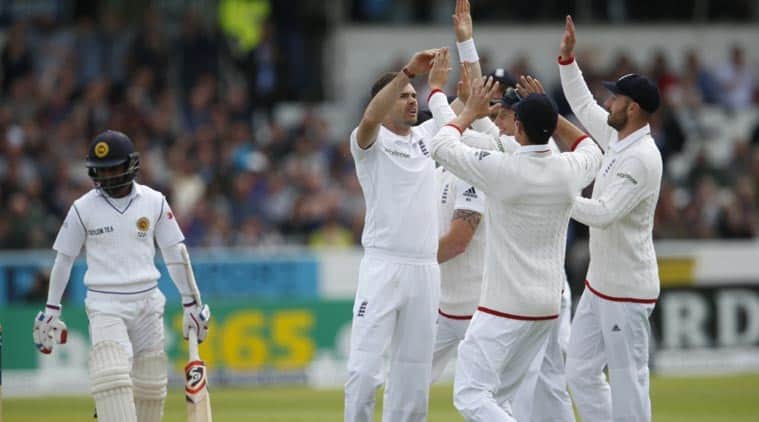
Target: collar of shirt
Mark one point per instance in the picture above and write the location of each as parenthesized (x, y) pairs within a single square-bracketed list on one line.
[(630, 139), (136, 191), (540, 150)]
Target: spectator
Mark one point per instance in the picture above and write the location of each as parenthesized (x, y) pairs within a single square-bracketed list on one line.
[(736, 80)]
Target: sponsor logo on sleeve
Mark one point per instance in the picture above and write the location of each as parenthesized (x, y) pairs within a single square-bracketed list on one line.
[(628, 176), (482, 154)]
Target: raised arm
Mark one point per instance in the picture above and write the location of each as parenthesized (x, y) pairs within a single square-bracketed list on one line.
[(463, 27), (580, 99), (584, 155), (567, 134), (382, 103), (476, 166)]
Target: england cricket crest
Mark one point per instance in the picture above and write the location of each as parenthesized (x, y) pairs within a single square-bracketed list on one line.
[(195, 381)]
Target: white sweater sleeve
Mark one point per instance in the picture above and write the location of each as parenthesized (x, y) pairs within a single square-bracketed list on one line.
[(485, 125), (59, 278), (618, 197), (476, 166), (177, 267), (585, 159), (583, 105), (441, 111)]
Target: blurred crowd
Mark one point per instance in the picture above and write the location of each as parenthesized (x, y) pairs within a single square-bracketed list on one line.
[(203, 120)]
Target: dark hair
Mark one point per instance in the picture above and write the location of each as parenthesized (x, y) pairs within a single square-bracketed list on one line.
[(536, 137), (538, 117), (382, 81)]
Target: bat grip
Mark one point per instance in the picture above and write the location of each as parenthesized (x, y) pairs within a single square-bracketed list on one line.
[(192, 345)]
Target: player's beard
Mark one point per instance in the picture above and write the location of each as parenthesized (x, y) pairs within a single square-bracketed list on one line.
[(617, 120)]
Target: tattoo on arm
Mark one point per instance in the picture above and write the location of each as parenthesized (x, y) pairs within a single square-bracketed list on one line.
[(470, 217)]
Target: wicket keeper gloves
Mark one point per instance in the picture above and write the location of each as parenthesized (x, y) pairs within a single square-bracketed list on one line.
[(49, 329), (195, 318)]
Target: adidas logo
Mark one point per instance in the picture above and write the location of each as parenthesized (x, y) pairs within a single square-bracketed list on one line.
[(362, 309), (470, 193), (615, 328), (482, 154)]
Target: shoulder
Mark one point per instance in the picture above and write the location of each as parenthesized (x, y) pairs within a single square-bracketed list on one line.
[(149, 193), (87, 198), (647, 152)]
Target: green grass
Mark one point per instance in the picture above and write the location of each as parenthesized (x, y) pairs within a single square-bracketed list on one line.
[(692, 399)]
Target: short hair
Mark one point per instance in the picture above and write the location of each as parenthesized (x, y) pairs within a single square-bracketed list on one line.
[(383, 80)]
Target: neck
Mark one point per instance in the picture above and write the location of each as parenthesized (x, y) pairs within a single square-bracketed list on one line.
[(629, 129), (398, 129), (120, 192)]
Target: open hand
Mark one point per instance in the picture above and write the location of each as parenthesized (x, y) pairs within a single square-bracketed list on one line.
[(528, 85), (464, 87), (440, 69), (478, 104), (462, 21), (421, 62), (568, 41)]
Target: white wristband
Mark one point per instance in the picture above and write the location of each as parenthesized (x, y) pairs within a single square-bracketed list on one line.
[(467, 51)]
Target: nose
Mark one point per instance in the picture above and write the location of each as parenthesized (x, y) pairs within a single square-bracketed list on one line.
[(607, 103)]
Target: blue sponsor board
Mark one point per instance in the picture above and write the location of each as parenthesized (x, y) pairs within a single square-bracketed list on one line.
[(222, 274)]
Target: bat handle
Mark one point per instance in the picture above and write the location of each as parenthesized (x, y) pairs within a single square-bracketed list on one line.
[(192, 345)]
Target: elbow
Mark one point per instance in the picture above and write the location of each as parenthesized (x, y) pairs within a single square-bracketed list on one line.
[(602, 222), (460, 246)]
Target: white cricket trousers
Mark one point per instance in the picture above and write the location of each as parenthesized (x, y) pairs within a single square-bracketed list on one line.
[(396, 306), (543, 394), (449, 333), (135, 321), (614, 333), (492, 361)]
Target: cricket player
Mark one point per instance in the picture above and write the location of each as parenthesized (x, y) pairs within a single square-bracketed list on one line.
[(399, 278), (545, 381), (611, 327), (530, 196), (119, 222), (461, 255)]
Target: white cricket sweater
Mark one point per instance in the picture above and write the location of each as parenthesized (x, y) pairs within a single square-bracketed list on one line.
[(460, 276), (620, 213), (530, 197)]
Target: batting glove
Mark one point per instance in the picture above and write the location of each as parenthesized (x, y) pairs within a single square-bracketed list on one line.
[(195, 318), (49, 329)]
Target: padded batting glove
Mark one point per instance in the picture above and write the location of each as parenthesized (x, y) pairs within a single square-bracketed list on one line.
[(49, 329), (196, 318)]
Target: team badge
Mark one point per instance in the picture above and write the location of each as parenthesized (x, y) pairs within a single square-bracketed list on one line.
[(143, 224), (101, 149)]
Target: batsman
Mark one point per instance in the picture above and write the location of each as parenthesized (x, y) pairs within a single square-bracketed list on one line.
[(119, 223)]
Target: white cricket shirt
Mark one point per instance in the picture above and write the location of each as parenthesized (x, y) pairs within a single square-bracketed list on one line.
[(461, 276), (620, 213), (119, 241), (530, 197), (397, 178)]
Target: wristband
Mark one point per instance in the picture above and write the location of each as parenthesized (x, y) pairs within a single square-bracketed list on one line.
[(567, 61), (408, 73), (467, 51)]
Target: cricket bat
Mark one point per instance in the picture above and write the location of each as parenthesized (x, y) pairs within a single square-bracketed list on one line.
[(196, 375)]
